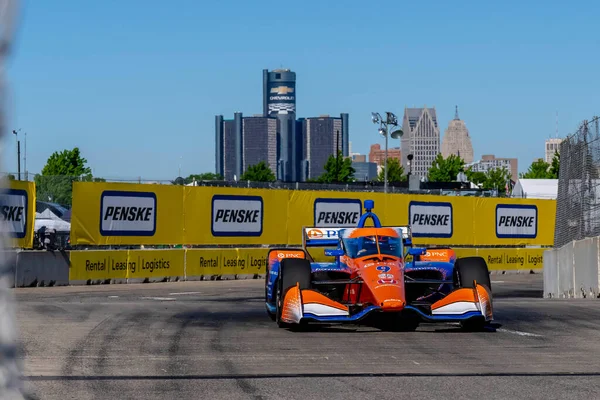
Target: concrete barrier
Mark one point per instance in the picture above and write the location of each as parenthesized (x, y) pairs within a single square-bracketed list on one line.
[(585, 268), (573, 271), (41, 268), (566, 276), (550, 273)]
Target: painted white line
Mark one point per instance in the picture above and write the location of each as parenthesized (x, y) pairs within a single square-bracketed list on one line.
[(183, 293), (159, 298), (497, 281), (518, 332), (113, 297), (416, 363)]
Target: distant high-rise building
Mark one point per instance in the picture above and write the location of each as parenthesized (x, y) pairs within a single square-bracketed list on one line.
[(277, 132), (260, 141), (358, 157), (364, 171), (323, 138), (279, 100), (552, 146), (457, 140), (377, 154), (219, 155), (421, 139), (490, 162), (228, 146), (244, 141)]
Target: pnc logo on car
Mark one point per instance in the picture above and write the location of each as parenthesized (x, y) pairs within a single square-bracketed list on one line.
[(315, 233)]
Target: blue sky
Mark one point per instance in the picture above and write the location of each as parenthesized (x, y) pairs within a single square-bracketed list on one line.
[(136, 84)]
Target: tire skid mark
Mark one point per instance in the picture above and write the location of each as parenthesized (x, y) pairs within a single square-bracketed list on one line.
[(216, 344), (77, 351), (172, 367), (120, 327), (111, 342)]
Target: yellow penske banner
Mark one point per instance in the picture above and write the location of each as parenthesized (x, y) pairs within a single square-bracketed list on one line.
[(132, 214), (17, 213), (126, 264), (155, 263), (100, 265), (141, 264), (235, 216), (122, 213), (212, 262)]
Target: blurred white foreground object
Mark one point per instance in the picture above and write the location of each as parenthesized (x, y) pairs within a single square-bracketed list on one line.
[(10, 380)]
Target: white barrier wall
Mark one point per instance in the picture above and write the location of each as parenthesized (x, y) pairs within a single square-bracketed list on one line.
[(550, 273), (573, 271)]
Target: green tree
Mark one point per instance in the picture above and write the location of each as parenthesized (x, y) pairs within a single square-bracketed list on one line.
[(206, 176), (497, 178), (395, 171), (338, 169), (55, 183), (477, 177), (539, 169), (178, 181), (555, 166), (258, 173), (445, 169), (11, 177)]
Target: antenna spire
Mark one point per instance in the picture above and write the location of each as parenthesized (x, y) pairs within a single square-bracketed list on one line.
[(456, 114)]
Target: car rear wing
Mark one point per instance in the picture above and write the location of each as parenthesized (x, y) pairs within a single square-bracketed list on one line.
[(329, 237), (320, 237)]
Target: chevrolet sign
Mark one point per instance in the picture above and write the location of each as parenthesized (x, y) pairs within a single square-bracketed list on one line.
[(282, 90)]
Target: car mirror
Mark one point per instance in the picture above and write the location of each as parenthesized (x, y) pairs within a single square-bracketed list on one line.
[(417, 251), (334, 252)]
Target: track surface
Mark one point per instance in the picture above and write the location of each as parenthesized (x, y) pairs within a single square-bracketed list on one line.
[(213, 340)]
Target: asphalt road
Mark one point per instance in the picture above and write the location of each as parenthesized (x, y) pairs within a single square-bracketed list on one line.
[(213, 340)]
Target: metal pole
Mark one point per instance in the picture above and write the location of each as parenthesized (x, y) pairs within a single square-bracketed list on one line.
[(337, 161), (385, 171), (19, 159), (25, 159)]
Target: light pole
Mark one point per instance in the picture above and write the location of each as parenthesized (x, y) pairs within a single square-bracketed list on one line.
[(384, 130), (337, 161), (16, 133)]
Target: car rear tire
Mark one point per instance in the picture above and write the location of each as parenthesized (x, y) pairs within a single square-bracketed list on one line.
[(291, 272), (467, 270)]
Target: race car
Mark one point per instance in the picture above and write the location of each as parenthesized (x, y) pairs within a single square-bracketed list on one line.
[(371, 283)]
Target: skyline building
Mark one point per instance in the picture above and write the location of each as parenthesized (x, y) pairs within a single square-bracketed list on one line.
[(421, 139), (377, 154), (260, 141), (279, 101), (228, 143), (552, 145), (277, 136), (457, 140), (244, 141), (489, 162), (323, 137)]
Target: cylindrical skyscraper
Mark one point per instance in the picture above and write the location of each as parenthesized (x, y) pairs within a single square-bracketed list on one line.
[(279, 100)]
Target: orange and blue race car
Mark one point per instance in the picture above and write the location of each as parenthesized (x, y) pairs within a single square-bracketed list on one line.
[(371, 283)]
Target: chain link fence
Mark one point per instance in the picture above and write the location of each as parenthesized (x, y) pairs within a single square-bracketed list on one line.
[(578, 198), (58, 189)]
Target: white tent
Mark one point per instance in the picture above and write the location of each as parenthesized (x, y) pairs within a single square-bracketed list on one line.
[(51, 221), (58, 224), (46, 214), (536, 189)]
